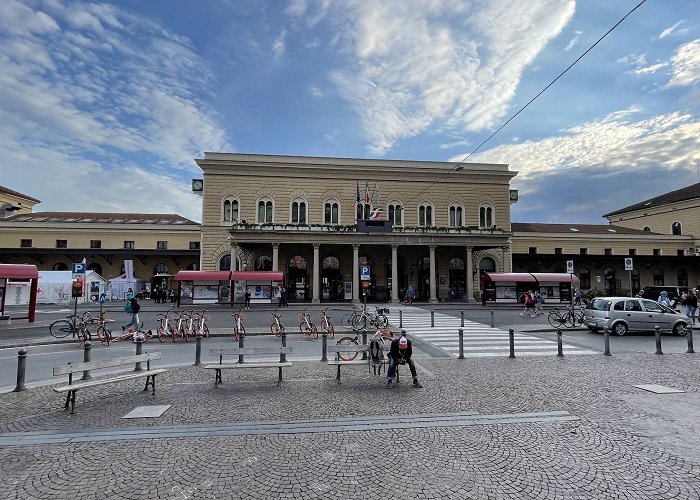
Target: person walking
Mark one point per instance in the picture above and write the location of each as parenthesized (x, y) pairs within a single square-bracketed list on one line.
[(400, 353), (410, 295), (132, 306), (691, 305), (247, 298), (283, 297)]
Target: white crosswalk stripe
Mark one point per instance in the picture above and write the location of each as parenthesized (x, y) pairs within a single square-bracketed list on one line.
[(479, 340)]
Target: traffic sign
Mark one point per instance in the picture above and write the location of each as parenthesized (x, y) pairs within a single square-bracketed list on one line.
[(629, 265), (365, 284), (364, 272), (78, 268), (570, 266)]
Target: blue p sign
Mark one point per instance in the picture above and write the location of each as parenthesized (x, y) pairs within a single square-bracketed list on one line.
[(78, 268)]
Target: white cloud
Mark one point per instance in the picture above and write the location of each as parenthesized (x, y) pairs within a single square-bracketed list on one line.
[(650, 69), (420, 62), (686, 65), (668, 31), (278, 46), (316, 92), (573, 42)]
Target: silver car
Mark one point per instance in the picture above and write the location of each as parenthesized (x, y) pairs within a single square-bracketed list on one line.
[(623, 314)]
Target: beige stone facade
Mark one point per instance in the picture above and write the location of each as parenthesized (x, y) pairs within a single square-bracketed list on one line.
[(298, 215), (15, 203)]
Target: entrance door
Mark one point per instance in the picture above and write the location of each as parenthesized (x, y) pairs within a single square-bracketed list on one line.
[(331, 280), (457, 282), (423, 288), (297, 279)]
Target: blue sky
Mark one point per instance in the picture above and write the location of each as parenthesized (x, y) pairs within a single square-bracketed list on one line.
[(104, 105)]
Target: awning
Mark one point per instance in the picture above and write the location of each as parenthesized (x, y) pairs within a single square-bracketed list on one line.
[(555, 277), (258, 276), (203, 276), (509, 277), (19, 271)]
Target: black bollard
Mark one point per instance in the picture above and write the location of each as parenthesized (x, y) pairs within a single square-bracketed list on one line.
[(364, 342), (461, 314), (493, 325), (657, 332), (21, 367), (240, 344), (138, 340), (86, 359), (606, 341), (560, 349), (198, 349), (511, 335), (432, 319), (461, 343), (324, 346), (283, 355), (400, 318), (689, 334)]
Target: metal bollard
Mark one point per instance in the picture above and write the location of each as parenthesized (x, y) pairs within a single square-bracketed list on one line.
[(493, 325), (138, 340), (461, 343), (21, 367), (364, 342), (689, 334), (283, 355), (432, 319), (657, 332), (560, 348), (240, 345), (400, 318), (461, 314), (86, 359), (198, 349), (324, 346), (606, 341), (511, 338)]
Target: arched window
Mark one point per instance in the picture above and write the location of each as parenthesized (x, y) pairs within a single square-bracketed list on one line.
[(682, 276), (298, 212), (229, 211), (331, 212), (95, 267), (585, 278), (455, 216), (160, 269), (647, 229), (364, 210), (60, 266), (331, 263), (394, 211), (487, 265), (456, 264), (265, 211), (263, 263), (225, 263), (486, 218), (425, 215), (658, 277), (676, 228), (297, 262)]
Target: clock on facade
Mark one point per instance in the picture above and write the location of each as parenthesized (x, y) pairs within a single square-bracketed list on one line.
[(513, 195), (197, 184)]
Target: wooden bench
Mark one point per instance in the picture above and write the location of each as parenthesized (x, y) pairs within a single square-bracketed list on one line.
[(361, 350), (80, 367), (241, 351)]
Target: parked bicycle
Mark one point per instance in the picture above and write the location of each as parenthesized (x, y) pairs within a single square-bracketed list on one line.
[(73, 324), (326, 323), (361, 318), (566, 317), (238, 328), (276, 327), (103, 331), (133, 334), (199, 323), (383, 335), (307, 327)]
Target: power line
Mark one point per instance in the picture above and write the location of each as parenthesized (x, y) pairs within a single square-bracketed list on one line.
[(458, 166)]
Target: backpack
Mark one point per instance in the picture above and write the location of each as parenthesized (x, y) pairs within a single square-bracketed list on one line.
[(528, 299), (135, 307), (376, 351)]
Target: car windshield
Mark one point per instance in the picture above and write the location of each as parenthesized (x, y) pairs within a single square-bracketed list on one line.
[(599, 305)]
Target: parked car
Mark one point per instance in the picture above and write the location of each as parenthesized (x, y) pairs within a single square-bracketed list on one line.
[(624, 314)]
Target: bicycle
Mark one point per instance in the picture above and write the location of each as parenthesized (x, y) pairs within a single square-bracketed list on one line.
[(103, 332), (306, 326), (277, 328), (360, 320), (77, 325), (326, 323), (382, 334), (162, 326), (238, 328), (566, 317), (132, 334), (173, 324)]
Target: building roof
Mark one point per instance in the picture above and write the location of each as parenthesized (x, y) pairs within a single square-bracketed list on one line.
[(101, 218), (683, 194), (17, 194), (536, 227)]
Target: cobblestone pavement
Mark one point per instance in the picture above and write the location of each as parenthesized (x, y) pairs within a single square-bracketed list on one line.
[(624, 443)]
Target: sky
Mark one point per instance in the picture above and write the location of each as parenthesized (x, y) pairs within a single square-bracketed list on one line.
[(105, 105)]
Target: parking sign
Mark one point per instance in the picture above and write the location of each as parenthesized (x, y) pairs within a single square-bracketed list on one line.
[(570, 266), (364, 272), (629, 264)]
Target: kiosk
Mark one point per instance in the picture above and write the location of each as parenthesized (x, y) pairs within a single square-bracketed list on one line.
[(22, 275), (508, 287)]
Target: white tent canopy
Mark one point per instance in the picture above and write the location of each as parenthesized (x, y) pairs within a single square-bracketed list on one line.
[(54, 287), (118, 287)]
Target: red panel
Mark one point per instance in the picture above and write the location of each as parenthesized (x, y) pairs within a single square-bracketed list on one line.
[(18, 271), (555, 277), (258, 275), (203, 276), (509, 277)]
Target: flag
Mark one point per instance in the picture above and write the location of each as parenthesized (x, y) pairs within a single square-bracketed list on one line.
[(376, 213), (375, 194), (358, 192), (367, 197)]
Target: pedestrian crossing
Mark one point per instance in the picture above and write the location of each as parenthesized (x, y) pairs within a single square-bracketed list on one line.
[(479, 340)]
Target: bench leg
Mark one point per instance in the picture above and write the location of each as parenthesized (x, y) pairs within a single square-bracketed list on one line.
[(70, 400), (218, 381), (150, 380), (279, 381), (337, 378)]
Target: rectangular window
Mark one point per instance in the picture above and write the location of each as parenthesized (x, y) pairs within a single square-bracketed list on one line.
[(608, 251), (632, 251), (61, 243), (128, 245), (194, 245), (162, 245), (25, 243), (95, 243), (532, 250), (680, 253), (558, 251), (583, 251), (657, 252)]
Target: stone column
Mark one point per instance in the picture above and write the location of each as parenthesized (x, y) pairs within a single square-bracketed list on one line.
[(433, 289), (275, 256), (395, 274), (316, 276), (469, 278), (356, 274), (234, 255)]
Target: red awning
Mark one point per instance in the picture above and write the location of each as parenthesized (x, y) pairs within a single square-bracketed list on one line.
[(555, 277), (18, 271), (509, 277), (203, 276), (258, 276)]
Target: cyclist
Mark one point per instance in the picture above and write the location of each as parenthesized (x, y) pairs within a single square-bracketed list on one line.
[(400, 353)]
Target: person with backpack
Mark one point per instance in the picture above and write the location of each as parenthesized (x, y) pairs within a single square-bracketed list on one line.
[(400, 353), (247, 298), (132, 306), (529, 303), (283, 297)]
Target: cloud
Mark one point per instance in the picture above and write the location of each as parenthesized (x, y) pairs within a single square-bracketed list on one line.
[(686, 65), (278, 46), (669, 31), (415, 64), (316, 92), (573, 42), (650, 69)]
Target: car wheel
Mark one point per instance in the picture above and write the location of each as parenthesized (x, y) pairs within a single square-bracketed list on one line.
[(680, 329), (620, 329)]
